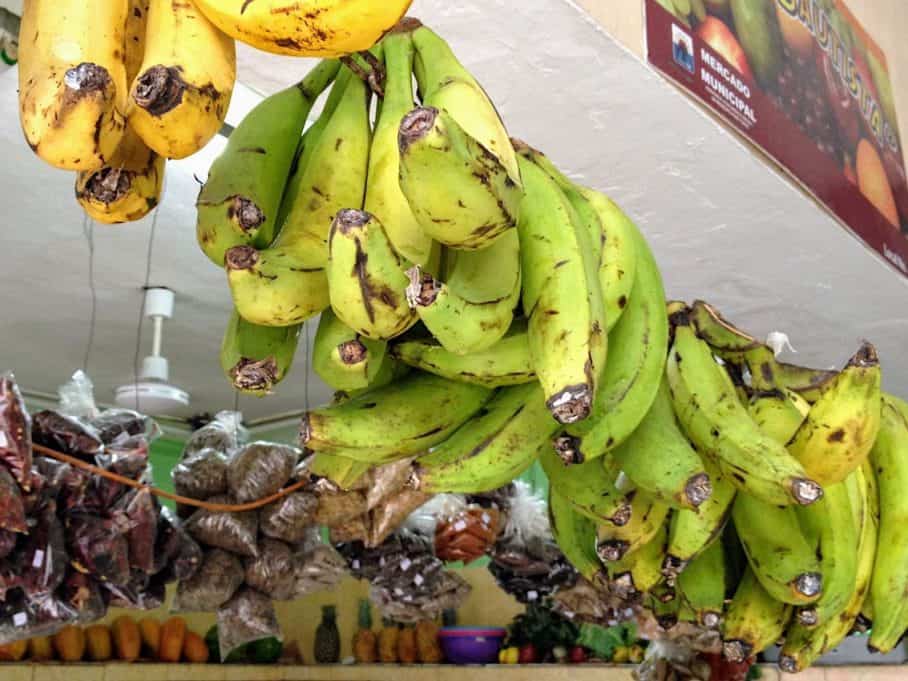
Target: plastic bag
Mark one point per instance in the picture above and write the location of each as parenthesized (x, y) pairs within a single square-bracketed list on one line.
[(527, 517), (235, 532), (141, 514), (248, 616), (12, 507), (224, 433), (273, 571), (355, 529), (387, 480), (449, 592), (424, 519), (260, 469), (201, 475), (117, 426), (319, 568), (77, 397), (41, 559), (290, 517), (213, 584), (66, 434), (467, 535), (337, 507), (22, 617), (177, 554), (99, 546), (7, 543), (83, 594), (15, 431), (130, 465), (141, 592), (388, 517)]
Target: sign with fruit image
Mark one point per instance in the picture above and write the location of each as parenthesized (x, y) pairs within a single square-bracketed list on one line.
[(803, 80)]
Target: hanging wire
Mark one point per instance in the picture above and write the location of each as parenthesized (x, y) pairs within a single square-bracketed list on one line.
[(308, 359), (236, 413), (135, 361), (88, 231)]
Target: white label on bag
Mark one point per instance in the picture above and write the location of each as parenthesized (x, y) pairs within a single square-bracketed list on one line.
[(19, 619), (460, 525), (3, 441), (38, 560), (405, 564)]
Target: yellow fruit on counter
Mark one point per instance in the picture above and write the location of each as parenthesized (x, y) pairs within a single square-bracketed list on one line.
[(150, 630), (40, 649), (13, 652), (98, 643), (509, 655), (621, 655), (69, 643), (127, 638)]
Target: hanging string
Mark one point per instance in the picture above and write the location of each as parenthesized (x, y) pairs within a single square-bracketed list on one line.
[(150, 251), (88, 231), (308, 360)]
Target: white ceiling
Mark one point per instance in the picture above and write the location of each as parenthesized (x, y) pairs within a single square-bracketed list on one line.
[(724, 227)]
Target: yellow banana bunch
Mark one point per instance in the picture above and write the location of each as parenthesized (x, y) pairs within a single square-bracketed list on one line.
[(308, 28), (72, 80), (179, 99)]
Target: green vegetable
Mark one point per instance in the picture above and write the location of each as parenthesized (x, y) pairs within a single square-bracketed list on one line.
[(603, 642), (237, 656), (543, 628), (265, 650)]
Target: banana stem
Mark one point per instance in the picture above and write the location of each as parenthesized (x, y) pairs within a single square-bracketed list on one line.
[(373, 74)]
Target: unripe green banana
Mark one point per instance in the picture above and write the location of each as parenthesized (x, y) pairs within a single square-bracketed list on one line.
[(460, 193), (632, 375), (829, 525), (384, 197), (668, 610), (340, 470), (575, 535), (753, 621), (843, 423), (804, 645), (588, 487), (444, 83), (646, 520), (505, 363), (343, 358), (611, 235), (659, 460), (366, 279), (692, 532), (286, 283), (256, 358), (389, 370), (398, 420), (473, 308), (239, 202), (493, 447), (778, 413), (561, 298), (889, 584), (777, 550), (702, 585), (720, 427), (640, 571)]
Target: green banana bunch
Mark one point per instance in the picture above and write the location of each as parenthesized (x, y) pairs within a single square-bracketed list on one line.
[(843, 423), (445, 84), (804, 645), (459, 191), (473, 308), (389, 371), (575, 535), (588, 487), (778, 552), (753, 621), (492, 448), (702, 585), (830, 527), (778, 413), (720, 427), (659, 460), (256, 358), (343, 358), (397, 420), (611, 235), (646, 520), (767, 373), (384, 197), (340, 470), (632, 374), (692, 532), (561, 298), (889, 583), (286, 283), (366, 278), (667, 608), (239, 202), (641, 571), (871, 500), (505, 363)]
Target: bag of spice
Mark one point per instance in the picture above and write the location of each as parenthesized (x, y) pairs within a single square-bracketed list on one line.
[(201, 475), (273, 571), (99, 546), (177, 554), (290, 517), (66, 434), (140, 512), (224, 433), (140, 592), (12, 506), (15, 432), (317, 568), (40, 559), (260, 469), (235, 532), (247, 617), (212, 585)]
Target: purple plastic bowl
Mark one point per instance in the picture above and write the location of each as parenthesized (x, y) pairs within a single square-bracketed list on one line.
[(471, 645)]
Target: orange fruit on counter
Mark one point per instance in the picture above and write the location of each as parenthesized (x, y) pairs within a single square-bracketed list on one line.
[(126, 638), (40, 648), (873, 182), (150, 629), (194, 648), (13, 652), (796, 35), (98, 643), (173, 632), (69, 643)]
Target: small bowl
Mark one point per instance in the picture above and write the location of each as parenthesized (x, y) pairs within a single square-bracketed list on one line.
[(471, 645)]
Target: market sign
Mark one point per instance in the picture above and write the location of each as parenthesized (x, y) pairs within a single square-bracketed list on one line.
[(804, 81)]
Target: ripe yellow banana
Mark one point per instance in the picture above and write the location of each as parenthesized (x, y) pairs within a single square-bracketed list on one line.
[(842, 424), (72, 80), (561, 298), (136, 23), (127, 188), (472, 309), (889, 583), (778, 413), (646, 520), (308, 28), (507, 362), (753, 621), (343, 358), (179, 99), (659, 460)]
